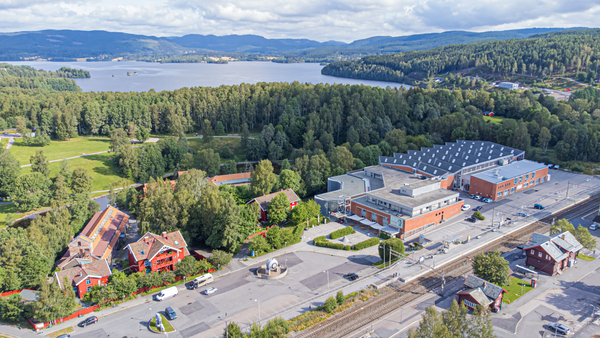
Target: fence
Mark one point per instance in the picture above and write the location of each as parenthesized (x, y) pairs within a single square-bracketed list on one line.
[(8, 293)]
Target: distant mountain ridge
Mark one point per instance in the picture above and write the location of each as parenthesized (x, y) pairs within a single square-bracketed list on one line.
[(59, 45)]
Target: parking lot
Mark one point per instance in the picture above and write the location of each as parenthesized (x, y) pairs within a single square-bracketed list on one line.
[(237, 298)]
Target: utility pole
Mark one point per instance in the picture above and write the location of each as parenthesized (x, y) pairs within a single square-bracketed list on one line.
[(443, 282), (493, 214), (568, 184)]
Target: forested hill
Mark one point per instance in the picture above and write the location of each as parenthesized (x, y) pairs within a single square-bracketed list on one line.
[(63, 45), (544, 54), (27, 77)]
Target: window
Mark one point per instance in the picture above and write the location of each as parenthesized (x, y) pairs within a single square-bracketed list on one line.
[(546, 256), (537, 181), (527, 177), (88, 281), (363, 213), (469, 304), (516, 180), (540, 254), (374, 217), (526, 185), (499, 194), (506, 192), (532, 252), (532, 175), (543, 179), (520, 179), (512, 190), (89, 289)]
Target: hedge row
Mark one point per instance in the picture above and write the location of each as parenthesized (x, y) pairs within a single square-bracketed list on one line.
[(383, 235), (342, 232), (328, 244), (365, 244)]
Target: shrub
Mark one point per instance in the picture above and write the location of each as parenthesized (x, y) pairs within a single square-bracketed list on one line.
[(330, 304), (340, 298), (342, 232), (328, 244), (365, 244), (383, 235), (320, 239), (395, 244), (479, 216)]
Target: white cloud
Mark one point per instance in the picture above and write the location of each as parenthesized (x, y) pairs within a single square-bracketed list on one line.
[(344, 20)]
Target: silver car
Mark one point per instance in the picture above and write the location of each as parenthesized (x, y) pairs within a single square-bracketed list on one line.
[(209, 291)]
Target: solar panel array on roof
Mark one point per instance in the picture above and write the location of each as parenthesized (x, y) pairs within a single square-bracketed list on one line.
[(450, 157)]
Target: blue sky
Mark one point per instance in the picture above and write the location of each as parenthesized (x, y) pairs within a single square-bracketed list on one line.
[(343, 20)]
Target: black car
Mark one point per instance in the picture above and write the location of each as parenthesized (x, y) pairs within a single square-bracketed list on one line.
[(191, 285), (351, 276), (478, 208), (170, 314), (88, 321), (472, 219)]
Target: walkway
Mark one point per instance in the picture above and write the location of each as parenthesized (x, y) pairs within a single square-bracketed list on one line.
[(10, 143), (70, 158)]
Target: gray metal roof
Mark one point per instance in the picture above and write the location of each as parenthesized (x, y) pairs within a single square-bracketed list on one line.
[(546, 243), (567, 241), (451, 157), (510, 171), (479, 296), (490, 290), (353, 184)]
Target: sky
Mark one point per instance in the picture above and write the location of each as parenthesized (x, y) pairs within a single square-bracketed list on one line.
[(341, 20)]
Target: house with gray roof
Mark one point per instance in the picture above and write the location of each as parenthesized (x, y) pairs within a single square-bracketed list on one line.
[(478, 291), (551, 254)]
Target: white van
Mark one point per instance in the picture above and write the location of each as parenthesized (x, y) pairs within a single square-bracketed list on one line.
[(204, 279), (167, 293)]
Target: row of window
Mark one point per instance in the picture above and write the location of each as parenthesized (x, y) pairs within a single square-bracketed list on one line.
[(540, 254), (526, 185), (469, 304)]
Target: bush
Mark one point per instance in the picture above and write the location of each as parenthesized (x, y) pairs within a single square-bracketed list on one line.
[(383, 235), (395, 244), (328, 244), (342, 232), (330, 304), (479, 216), (340, 298), (365, 244), (320, 239)]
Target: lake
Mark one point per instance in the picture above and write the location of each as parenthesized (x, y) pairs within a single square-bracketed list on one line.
[(112, 76)]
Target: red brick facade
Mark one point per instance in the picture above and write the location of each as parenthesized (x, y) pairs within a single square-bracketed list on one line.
[(412, 225), (161, 262), (154, 253), (539, 258), (491, 190)]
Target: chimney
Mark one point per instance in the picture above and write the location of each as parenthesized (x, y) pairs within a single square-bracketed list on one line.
[(563, 237), (72, 238), (147, 239), (484, 284), (164, 234)]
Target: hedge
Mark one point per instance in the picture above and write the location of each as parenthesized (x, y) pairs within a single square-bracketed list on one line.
[(383, 235), (328, 244), (478, 215), (365, 244), (320, 239), (342, 232)]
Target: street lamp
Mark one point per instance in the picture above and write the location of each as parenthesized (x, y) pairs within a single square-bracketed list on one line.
[(327, 271), (256, 300)]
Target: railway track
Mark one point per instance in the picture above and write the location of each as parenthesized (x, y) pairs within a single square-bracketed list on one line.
[(357, 317), (576, 211)]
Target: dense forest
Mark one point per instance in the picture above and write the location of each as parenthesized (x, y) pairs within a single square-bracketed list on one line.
[(538, 56)]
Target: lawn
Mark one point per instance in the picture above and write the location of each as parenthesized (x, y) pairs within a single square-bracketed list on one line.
[(59, 332), (585, 257), (217, 143), (165, 323), (103, 170), (10, 209), (57, 150), (514, 289), (494, 119)]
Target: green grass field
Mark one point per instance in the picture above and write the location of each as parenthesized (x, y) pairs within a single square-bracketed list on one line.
[(585, 257), (103, 170), (10, 209), (59, 149), (233, 143), (514, 289), (494, 119)]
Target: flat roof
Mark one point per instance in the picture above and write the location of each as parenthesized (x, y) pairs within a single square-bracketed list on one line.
[(352, 185), (509, 171), (413, 202)]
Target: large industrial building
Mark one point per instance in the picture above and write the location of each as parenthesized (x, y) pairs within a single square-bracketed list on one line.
[(407, 193)]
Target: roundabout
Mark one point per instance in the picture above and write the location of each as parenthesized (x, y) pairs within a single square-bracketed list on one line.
[(163, 326)]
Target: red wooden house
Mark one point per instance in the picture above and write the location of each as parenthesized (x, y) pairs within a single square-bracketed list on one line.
[(265, 200), (481, 292), (552, 254), (157, 253), (84, 276)]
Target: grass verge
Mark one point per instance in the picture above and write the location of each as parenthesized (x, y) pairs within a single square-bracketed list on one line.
[(59, 332), (494, 119), (57, 150), (514, 289), (165, 323), (585, 257)]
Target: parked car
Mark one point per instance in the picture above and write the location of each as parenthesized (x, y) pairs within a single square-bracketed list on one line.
[(209, 291), (539, 206), (465, 207), (351, 276), (487, 200), (478, 208), (472, 219), (88, 321), (593, 227), (522, 214), (473, 196), (170, 314), (560, 328), (66, 335)]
